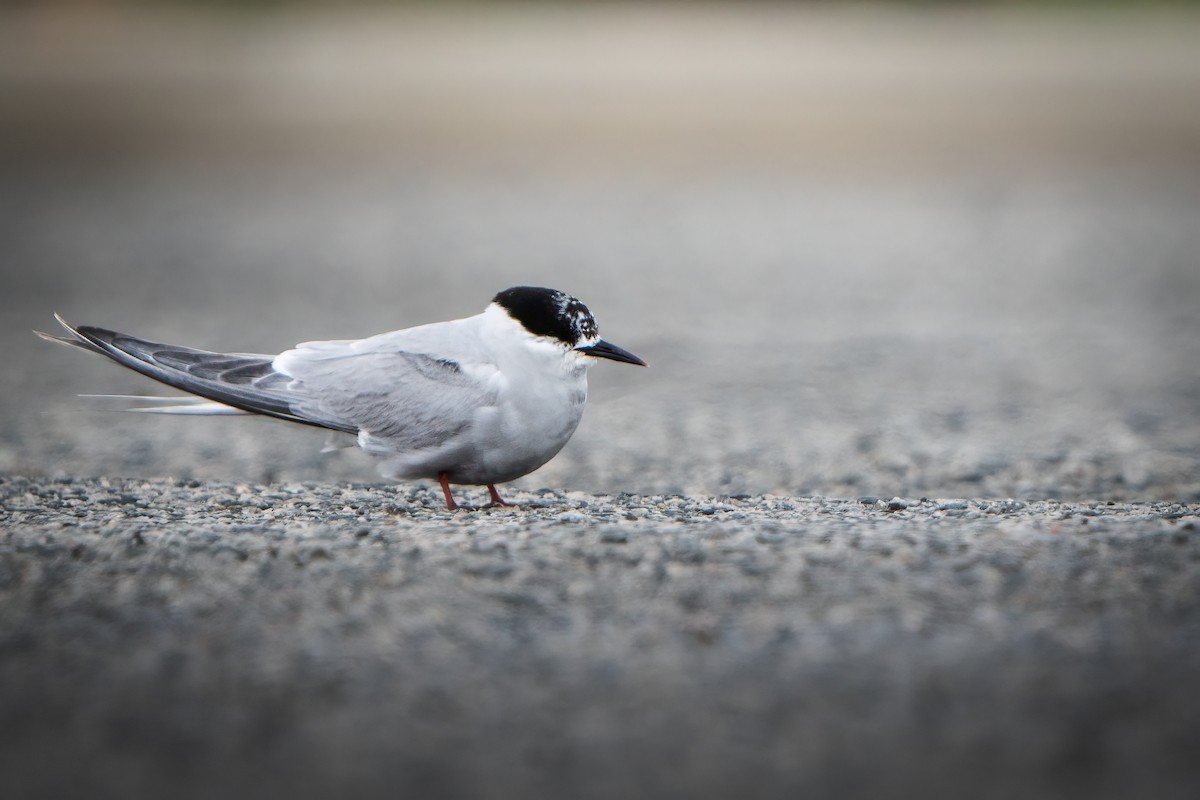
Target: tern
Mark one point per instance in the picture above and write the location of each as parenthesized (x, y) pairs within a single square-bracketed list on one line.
[(475, 401)]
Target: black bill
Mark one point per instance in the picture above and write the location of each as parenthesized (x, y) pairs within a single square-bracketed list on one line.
[(603, 349)]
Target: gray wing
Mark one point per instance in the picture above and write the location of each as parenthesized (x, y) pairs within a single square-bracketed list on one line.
[(413, 400), (243, 381)]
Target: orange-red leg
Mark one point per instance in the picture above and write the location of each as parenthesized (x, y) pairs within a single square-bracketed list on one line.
[(444, 480), (497, 500)]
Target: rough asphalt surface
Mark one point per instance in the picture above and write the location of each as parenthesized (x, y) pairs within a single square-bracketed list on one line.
[(284, 635), (215, 639), (906, 504)]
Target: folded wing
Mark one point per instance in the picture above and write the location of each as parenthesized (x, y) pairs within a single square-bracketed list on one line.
[(391, 390), (413, 400)]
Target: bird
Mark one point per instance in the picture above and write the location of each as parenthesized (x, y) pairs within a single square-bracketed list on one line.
[(475, 401)]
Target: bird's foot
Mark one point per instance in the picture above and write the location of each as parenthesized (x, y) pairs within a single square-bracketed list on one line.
[(444, 480), (497, 500)]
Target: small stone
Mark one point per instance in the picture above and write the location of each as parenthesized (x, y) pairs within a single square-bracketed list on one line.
[(489, 569)]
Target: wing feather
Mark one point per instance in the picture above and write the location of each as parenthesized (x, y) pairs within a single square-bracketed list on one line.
[(416, 389), (416, 401), (241, 380)]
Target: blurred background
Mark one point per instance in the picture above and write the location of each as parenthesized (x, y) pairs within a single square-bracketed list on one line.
[(887, 249)]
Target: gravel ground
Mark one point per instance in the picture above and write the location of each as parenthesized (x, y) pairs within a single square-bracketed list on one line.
[(296, 640), (928, 255)]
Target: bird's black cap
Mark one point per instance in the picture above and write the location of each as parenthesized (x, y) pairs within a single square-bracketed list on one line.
[(549, 312)]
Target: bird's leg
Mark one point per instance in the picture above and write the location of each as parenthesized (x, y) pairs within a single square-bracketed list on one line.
[(444, 480), (497, 500)]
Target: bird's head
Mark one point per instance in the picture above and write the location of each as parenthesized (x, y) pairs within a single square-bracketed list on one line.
[(558, 316)]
